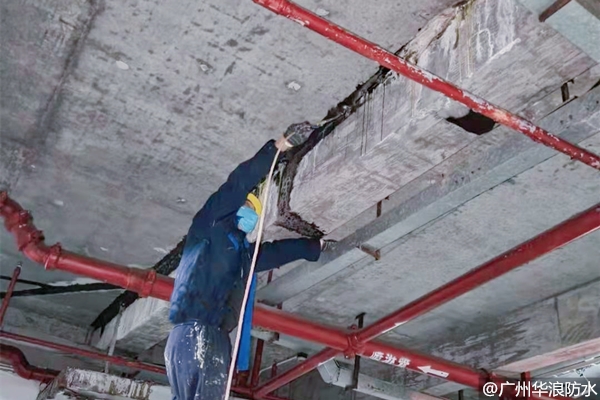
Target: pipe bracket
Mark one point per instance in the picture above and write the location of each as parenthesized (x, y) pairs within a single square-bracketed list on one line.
[(31, 238), (148, 283), (53, 256), (354, 346)]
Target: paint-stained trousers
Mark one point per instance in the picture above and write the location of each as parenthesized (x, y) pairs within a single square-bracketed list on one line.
[(197, 360)]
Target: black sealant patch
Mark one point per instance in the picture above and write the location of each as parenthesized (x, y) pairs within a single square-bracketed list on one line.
[(286, 217), (474, 122)]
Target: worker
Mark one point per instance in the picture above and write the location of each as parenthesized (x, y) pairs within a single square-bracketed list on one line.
[(213, 270)]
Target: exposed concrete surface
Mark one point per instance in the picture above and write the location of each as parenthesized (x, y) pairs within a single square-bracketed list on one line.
[(578, 21), (486, 226), (566, 320), (397, 135), (145, 323), (532, 338), (120, 118), (489, 161)]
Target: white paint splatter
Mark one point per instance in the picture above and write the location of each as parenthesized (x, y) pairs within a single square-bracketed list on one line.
[(161, 250), (201, 348), (122, 65), (294, 86), (321, 12), (77, 281), (103, 249), (139, 266), (505, 50), (58, 203), (299, 21), (204, 67)]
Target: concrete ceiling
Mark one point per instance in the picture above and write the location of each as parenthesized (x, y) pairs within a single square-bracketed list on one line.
[(118, 119), (114, 162)]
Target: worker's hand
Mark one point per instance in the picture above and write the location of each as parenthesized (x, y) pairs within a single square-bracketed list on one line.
[(327, 244), (296, 134)]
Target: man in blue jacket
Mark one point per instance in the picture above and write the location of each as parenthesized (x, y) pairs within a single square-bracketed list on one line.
[(214, 267)]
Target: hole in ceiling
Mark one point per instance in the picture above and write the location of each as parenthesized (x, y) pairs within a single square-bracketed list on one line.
[(474, 122)]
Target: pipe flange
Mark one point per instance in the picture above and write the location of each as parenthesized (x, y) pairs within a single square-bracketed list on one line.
[(148, 283), (34, 238), (24, 217), (354, 346), (53, 256)]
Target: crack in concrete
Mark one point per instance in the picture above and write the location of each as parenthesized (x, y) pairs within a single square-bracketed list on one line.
[(48, 113)]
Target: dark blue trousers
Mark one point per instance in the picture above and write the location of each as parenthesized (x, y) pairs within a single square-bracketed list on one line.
[(197, 360)]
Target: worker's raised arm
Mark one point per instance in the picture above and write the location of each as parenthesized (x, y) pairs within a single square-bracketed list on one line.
[(280, 252), (232, 194)]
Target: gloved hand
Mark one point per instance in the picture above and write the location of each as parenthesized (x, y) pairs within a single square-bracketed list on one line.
[(327, 244), (296, 134)]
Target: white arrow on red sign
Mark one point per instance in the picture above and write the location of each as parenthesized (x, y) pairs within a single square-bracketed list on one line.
[(428, 370)]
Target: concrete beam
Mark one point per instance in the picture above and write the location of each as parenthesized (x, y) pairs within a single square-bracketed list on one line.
[(477, 168), (400, 146), (139, 327), (559, 331), (554, 331), (28, 323), (496, 49), (337, 374)]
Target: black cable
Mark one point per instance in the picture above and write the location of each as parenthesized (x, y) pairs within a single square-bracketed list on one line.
[(8, 278), (78, 288)]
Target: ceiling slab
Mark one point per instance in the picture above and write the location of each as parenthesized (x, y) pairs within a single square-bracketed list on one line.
[(120, 119)]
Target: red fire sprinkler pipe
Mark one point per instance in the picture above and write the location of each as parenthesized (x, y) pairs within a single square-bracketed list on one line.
[(255, 377), (558, 236), (279, 321), (296, 372), (22, 368), (83, 353), (30, 241), (393, 62), (9, 292)]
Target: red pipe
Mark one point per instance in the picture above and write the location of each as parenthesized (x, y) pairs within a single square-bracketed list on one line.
[(553, 9), (248, 392), (279, 321), (20, 365), (8, 295), (560, 235), (255, 377), (343, 342), (295, 373), (84, 353), (391, 61), (31, 242), (557, 236), (25, 370)]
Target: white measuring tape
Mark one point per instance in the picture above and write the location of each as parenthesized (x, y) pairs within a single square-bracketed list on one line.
[(249, 282)]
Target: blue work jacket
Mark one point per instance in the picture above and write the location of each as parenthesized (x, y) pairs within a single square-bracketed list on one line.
[(214, 266)]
